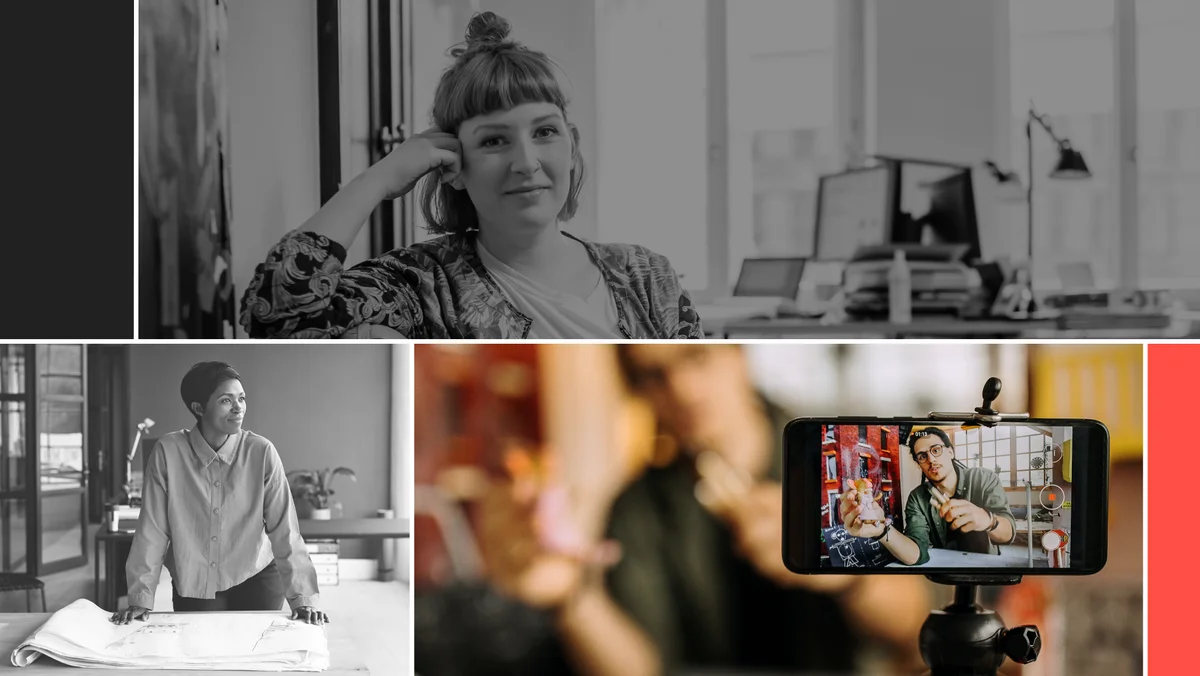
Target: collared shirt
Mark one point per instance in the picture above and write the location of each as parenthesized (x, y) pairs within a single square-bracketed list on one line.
[(441, 289), (680, 579), (215, 519), (976, 485)]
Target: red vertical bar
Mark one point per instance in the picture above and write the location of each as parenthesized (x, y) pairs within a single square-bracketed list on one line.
[(1173, 373)]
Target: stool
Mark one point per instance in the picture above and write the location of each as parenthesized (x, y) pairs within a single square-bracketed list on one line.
[(21, 581)]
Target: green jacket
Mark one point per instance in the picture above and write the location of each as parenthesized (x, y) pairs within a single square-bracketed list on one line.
[(976, 485)]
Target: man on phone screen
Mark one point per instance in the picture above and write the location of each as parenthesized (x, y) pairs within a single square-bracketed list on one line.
[(955, 507)]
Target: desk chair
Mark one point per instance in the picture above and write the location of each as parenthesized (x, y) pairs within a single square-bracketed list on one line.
[(21, 581)]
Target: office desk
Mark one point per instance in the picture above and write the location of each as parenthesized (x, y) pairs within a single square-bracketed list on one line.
[(113, 544), (933, 327), (344, 658), (356, 529)]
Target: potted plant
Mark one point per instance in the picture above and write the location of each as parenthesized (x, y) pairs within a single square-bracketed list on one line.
[(316, 488)]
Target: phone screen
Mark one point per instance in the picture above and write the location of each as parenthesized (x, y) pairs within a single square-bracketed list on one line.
[(926, 496)]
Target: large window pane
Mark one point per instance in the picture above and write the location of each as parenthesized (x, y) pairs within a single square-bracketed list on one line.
[(61, 444), (14, 554), (652, 96), (60, 368), (12, 445), (61, 524), (1063, 61), (12, 369), (1168, 142), (60, 359), (782, 128)]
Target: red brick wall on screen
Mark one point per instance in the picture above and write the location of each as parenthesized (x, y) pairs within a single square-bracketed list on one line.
[(853, 446)]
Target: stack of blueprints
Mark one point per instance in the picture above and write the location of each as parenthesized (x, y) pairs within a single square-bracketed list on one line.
[(81, 635)]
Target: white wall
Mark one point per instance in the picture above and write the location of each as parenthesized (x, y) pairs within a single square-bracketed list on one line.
[(560, 28), (271, 71), (934, 90), (937, 88), (403, 456)]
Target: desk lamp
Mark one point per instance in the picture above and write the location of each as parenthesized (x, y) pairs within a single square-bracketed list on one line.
[(1070, 163), (1070, 166), (142, 428)]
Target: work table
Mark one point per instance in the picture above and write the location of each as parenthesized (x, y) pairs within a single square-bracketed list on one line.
[(342, 529), (344, 658)]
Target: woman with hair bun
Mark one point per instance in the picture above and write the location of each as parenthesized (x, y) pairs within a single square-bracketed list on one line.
[(500, 173)]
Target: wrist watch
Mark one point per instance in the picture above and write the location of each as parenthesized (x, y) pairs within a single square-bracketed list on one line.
[(995, 524)]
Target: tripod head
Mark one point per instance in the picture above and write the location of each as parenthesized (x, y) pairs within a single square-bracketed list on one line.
[(965, 639), (985, 414)]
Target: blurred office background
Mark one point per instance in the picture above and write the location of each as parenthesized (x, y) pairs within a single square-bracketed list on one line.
[(706, 125), (477, 402), (68, 422)]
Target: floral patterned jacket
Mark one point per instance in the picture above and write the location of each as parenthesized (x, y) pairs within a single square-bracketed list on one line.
[(439, 289)]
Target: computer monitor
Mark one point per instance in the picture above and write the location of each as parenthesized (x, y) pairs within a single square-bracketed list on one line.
[(854, 208), (769, 278), (952, 218)]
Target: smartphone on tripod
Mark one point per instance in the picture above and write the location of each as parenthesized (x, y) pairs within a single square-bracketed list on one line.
[(931, 496)]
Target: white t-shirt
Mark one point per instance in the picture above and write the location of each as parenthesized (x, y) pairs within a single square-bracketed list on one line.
[(555, 315)]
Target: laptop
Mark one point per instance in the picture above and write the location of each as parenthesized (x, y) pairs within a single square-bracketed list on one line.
[(766, 287)]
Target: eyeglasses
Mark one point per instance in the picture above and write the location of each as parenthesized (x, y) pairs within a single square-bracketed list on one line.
[(935, 451)]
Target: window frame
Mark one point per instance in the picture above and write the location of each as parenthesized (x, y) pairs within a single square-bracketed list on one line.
[(857, 122), (375, 36), (851, 125), (1125, 105), (33, 493)]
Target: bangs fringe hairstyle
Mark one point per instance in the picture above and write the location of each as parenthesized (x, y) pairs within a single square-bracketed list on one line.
[(491, 73)]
